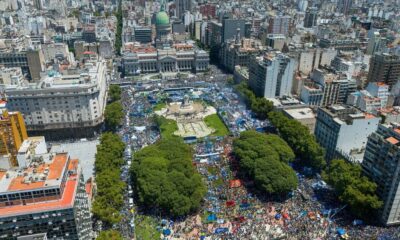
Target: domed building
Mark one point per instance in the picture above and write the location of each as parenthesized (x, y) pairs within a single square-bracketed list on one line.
[(163, 26)]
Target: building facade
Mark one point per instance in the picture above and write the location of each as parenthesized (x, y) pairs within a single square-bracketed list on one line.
[(382, 164), (384, 67), (181, 57), (343, 131), (271, 76), (30, 61), (63, 102), (238, 51), (279, 25), (310, 19), (12, 134)]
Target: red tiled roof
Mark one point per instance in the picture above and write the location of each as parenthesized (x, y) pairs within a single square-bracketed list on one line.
[(392, 140)]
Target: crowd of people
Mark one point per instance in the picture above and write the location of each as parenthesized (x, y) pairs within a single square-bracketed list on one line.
[(232, 211)]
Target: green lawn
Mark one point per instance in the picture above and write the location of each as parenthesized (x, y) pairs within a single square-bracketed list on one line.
[(167, 128), (159, 106), (145, 228), (213, 121)]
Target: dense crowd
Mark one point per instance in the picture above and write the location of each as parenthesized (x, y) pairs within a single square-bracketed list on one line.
[(232, 212)]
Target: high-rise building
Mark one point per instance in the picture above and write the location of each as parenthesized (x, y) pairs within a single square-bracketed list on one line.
[(310, 59), (208, 10), (279, 25), (344, 6), (376, 43), (310, 19), (12, 134), (230, 27), (215, 35), (384, 67), (48, 196), (336, 88), (271, 76), (30, 61), (343, 131), (89, 33), (181, 7), (382, 164), (38, 4)]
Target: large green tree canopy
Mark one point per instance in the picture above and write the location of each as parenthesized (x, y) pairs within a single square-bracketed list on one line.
[(109, 197), (264, 159), (166, 179), (113, 115), (354, 189), (303, 143), (114, 93)]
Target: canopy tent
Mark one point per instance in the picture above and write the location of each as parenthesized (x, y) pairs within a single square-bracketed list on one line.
[(245, 205), (341, 231), (140, 128), (235, 183), (221, 230), (230, 203), (212, 218), (167, 232)]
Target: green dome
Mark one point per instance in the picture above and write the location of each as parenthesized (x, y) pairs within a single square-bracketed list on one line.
[(162, 18)]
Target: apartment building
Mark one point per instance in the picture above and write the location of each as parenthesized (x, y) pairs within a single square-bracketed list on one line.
[(48, 196), (343, 131), (12, 134), (384, 67), (382, 164), (271, 75)]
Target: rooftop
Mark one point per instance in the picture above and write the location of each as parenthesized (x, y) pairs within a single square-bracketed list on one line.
[(300, 113), (68, 195), (43, 172)]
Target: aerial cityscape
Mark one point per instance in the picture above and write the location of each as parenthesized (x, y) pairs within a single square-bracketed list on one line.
[(199, 119)]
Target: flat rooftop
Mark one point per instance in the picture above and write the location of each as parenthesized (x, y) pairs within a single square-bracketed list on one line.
[(43, 172), (85, 151), (65, 202), (300, 113)]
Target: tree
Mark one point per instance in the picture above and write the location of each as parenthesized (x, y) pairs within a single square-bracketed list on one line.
[(114, 93), (304, 145), (164, 178), (263, 158), (261, 107), (353, 188), (118, 34), (109, 197), (113, 115), (109, 235)]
